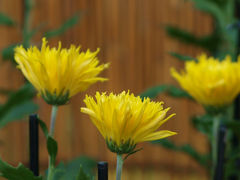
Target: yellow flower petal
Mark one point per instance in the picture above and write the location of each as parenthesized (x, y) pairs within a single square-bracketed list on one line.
[(209, 81), (59, 73), (124, 120)]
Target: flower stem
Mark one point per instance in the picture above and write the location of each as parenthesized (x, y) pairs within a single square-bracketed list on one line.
[(119, 167), (51, 133), (216, 124), (53, 120), (50, 168)]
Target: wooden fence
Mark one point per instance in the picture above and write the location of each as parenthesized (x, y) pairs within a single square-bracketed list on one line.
[(131, 36)]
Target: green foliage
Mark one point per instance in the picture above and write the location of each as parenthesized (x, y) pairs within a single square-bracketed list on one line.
[(19, 105), (52, 149), (182, 57), (209, 42), (8, 52), (64, 27), (169, 89), (187, 149), (5, 20), (203, 124), (18, 173), (220, 42), (222, 12), (79, 168), (82, 175), (44, 128)]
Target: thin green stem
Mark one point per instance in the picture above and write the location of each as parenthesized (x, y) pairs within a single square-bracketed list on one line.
[(216, 124), (28, 4), (50, 168), (53, 120), (51, 133), (119, 166)]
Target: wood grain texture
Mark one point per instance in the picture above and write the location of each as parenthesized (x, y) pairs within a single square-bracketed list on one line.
[(131, 36)]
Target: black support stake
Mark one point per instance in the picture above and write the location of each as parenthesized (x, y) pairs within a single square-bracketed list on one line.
[(219, 171), (102, 170), (33, 140)]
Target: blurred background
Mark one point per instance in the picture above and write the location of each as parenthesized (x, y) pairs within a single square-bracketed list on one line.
[(131, 36)]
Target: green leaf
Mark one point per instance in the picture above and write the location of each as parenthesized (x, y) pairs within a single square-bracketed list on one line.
[(18, 105), (18, 173), (211, 8), (169, 89), (182, 57), (203, 124), (234, 126), (5, 20), (59, 171), (209, 42), (4, 91), (82, 175), (64, 27), (28, 36), (72, 168), (43, 127), (70, 171), (188, 149), (8, 52), (52, 149)]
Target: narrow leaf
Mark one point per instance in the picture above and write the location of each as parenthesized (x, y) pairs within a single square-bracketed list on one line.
[(43, 127), (209, 42), (169, 89), (182, 57), (64, 27), (211, 8), (5, 20), (188, 149)]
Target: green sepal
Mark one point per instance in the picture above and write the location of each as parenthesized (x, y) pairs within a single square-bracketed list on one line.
[(131, 153), (55, 99), (16, 173), (124, 148)]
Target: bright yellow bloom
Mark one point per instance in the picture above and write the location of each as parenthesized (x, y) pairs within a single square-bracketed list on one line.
[(125, 120), (59, 74), (210, 81)]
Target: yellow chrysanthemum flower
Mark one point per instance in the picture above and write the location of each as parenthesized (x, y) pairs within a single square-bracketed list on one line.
[(125, 120), (59, 74), (210, 81)]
